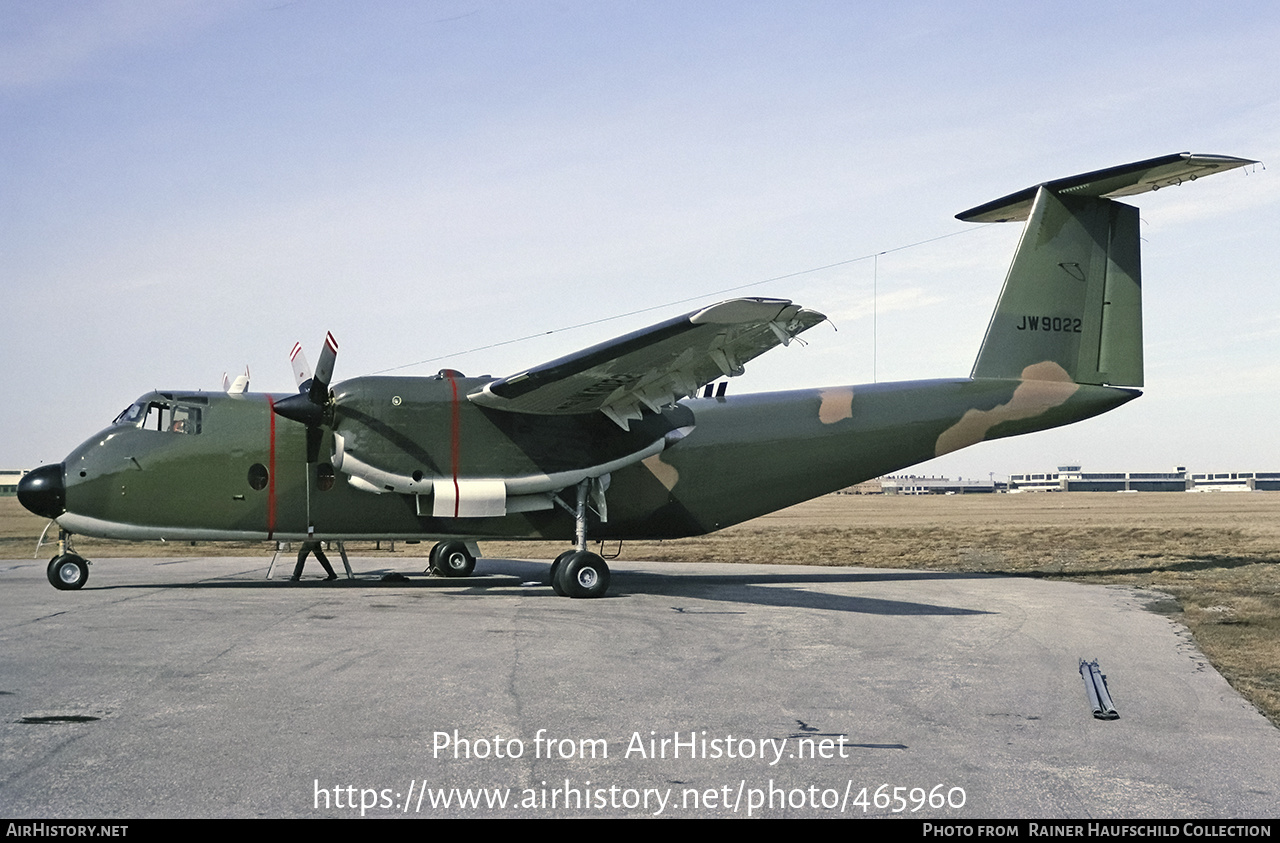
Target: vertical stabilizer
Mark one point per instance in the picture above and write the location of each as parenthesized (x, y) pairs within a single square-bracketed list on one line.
[(1073, 295), (1072, 302)]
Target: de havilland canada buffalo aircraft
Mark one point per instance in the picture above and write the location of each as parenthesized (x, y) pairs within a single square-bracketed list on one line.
[(626, 439)]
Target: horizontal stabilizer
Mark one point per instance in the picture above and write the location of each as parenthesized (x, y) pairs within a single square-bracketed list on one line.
[(1125, 180)]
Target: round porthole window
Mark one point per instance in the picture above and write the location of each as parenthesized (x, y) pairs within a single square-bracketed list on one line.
[(324, 477), (258, 477)]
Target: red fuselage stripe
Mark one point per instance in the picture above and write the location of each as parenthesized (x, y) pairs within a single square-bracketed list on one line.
[(271, 471), (456, 437)]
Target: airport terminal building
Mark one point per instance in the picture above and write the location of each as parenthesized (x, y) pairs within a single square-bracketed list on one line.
[(1070, 478), (9, 482)]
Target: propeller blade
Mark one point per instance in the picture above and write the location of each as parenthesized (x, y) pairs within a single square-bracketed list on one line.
[(324, 370), (301, 368), (314, 436)]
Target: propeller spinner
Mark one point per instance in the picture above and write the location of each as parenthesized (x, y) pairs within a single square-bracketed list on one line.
[(311, 405)]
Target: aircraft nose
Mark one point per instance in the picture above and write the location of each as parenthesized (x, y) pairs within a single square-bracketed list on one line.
[(43, 492)]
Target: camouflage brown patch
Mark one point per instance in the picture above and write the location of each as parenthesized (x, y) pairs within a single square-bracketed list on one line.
[(837, 404), (1044, 386), (666, 474)]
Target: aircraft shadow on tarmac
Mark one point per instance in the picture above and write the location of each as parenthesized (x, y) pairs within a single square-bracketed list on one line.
[(765, 590), (750, 587)]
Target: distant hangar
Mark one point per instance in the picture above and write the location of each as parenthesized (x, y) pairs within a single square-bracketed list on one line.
[(1070, 478)]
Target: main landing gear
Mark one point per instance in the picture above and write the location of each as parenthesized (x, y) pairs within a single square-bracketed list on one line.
[(579, 572), (452, 559), (575, 573)]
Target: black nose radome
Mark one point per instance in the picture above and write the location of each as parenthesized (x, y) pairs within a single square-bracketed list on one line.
[(43, 492)]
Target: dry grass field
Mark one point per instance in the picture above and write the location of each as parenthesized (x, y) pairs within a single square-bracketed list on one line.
[(1215, 555)]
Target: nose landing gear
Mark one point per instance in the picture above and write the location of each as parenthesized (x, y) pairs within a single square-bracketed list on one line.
[(67, 571)]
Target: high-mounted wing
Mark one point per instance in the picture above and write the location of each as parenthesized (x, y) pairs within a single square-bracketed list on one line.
[(653, 367)]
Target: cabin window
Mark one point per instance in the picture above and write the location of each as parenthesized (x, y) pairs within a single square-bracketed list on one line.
[(324, 477), (258, 477)]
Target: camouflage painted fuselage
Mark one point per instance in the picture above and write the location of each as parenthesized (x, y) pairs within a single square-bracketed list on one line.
[(244, 475)]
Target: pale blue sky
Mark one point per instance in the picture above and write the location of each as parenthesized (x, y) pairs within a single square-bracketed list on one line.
[(191, 187)]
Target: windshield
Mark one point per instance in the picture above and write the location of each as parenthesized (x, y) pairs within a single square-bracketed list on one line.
[(165, 416), (131, 414)]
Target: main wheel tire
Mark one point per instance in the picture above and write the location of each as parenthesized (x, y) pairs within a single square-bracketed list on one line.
[(454, 560), (433, 558), (555, 571), (583, 574), (68, 572)]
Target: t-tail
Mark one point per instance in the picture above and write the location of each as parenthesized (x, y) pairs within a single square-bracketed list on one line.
[(1071, 308), (1064, 345)]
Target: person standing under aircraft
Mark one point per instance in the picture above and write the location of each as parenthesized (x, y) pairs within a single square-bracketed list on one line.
[(312, 547)]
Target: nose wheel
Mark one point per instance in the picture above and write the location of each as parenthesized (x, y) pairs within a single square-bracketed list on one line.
[(68, 572)]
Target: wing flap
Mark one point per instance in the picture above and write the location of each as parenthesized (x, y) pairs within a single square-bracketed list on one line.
[(654, 367)]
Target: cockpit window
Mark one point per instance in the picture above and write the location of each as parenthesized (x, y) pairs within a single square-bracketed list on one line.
[(163, 416), (185, 419), (132, 414)]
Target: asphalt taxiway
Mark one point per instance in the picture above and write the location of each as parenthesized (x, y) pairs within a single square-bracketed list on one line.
[(193, 687)]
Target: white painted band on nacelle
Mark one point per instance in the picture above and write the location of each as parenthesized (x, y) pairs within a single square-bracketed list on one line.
[(470, 499)]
